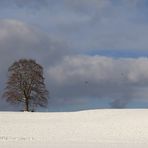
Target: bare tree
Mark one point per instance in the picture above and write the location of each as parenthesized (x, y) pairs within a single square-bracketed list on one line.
[(26, 85)]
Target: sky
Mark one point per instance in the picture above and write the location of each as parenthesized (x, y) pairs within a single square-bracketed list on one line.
[(94, 52)]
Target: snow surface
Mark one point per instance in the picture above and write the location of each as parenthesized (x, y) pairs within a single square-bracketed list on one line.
[(107, 128)]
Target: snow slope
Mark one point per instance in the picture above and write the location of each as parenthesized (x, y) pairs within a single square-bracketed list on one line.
[(85, 129)]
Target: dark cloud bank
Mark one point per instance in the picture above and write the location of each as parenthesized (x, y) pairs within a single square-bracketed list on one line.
[(19, 40), (73, 80), (78, 81)]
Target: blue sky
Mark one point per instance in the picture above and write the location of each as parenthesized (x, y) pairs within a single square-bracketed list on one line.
[(103, 42)]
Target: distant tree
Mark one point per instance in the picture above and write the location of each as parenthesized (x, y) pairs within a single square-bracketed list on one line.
[(26, 85)]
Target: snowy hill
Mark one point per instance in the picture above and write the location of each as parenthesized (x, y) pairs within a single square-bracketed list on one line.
[(86, 129)]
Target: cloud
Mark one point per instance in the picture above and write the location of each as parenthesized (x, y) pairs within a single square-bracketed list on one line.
[(113, 26), (33, 4), (86, 6), (104, 78), (58, 28), (19, 40), (23, 40), (86, 25), (107, 24)]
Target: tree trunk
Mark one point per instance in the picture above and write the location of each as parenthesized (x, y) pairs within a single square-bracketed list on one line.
[(26, 105)]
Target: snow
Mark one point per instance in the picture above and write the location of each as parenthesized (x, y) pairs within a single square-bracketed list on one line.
[(108, 128)]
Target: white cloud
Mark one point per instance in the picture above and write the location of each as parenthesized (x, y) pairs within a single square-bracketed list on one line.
[(117, 80)]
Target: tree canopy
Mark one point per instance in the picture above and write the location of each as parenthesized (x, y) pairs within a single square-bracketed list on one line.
[(26, 85)]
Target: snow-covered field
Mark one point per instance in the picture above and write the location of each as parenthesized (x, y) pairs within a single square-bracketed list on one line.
[(85, 129)]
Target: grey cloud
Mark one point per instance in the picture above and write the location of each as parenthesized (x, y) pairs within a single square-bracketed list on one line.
[(88, 25), (23, 40), (19, 40), (116, 80), (33, 4), (108, 24), (119, 103), (87, 6), (82, 25)]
